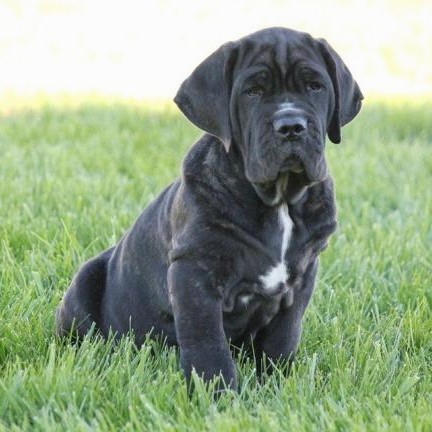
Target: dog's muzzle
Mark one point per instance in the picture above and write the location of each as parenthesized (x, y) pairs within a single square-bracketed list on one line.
[(300, 164)]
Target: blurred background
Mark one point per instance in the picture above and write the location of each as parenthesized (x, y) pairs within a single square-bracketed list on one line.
[(144, 48)]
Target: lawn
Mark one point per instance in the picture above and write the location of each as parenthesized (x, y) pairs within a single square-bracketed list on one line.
[(74, 175)]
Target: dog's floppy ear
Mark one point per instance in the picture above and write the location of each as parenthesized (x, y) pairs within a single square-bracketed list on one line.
[(348, 96), (204, 96)]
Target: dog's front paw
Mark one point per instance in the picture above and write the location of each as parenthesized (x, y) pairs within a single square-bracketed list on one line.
[(210, 364)]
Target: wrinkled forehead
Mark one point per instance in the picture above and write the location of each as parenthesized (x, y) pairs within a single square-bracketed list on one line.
[(278, 51)]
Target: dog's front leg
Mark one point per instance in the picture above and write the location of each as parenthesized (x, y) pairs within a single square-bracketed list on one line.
[(279, 340), (198, 321)]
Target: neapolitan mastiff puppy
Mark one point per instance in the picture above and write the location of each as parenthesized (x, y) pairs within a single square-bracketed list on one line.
[(229, 252)]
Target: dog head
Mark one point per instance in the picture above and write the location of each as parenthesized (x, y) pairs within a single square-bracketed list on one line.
[(274, 94)]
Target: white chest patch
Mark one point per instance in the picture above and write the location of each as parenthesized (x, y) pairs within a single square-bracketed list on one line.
[(279, 273)]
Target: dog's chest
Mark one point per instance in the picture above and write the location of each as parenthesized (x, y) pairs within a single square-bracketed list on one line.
[(278, 274), (262, 285)]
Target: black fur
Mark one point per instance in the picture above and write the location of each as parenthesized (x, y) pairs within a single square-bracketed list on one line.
[(266, 102)]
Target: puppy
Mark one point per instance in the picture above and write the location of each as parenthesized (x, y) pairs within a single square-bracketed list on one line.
[(228, 253)]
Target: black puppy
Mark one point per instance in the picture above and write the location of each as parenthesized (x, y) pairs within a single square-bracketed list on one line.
[(229, 253)]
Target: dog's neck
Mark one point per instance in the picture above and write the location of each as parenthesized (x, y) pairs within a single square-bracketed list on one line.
[(228, 172)]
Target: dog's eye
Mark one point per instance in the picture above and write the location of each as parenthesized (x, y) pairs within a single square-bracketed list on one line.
[(254, 91), (314, 86)]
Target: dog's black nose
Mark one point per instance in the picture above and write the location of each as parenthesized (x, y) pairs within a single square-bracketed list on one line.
[(290, 127)]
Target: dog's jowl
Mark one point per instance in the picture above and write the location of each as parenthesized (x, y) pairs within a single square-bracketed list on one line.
[(228, 253)]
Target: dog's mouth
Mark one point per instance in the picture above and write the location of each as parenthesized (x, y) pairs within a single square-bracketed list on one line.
[(289, 185), (293, 164)]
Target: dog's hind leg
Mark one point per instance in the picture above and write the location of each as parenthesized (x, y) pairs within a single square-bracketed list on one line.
[(80, 308)]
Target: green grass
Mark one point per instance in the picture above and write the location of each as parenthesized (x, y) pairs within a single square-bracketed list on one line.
[(74, 175)]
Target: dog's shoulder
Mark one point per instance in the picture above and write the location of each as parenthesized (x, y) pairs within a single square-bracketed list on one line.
[(201, 157), (317, 206), (314, 217), (211, 178), (315, 220)]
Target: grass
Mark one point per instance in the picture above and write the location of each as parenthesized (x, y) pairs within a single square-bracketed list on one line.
[(76, 173)]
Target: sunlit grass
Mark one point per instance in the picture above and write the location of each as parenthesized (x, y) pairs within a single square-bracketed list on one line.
[(76, 172)]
